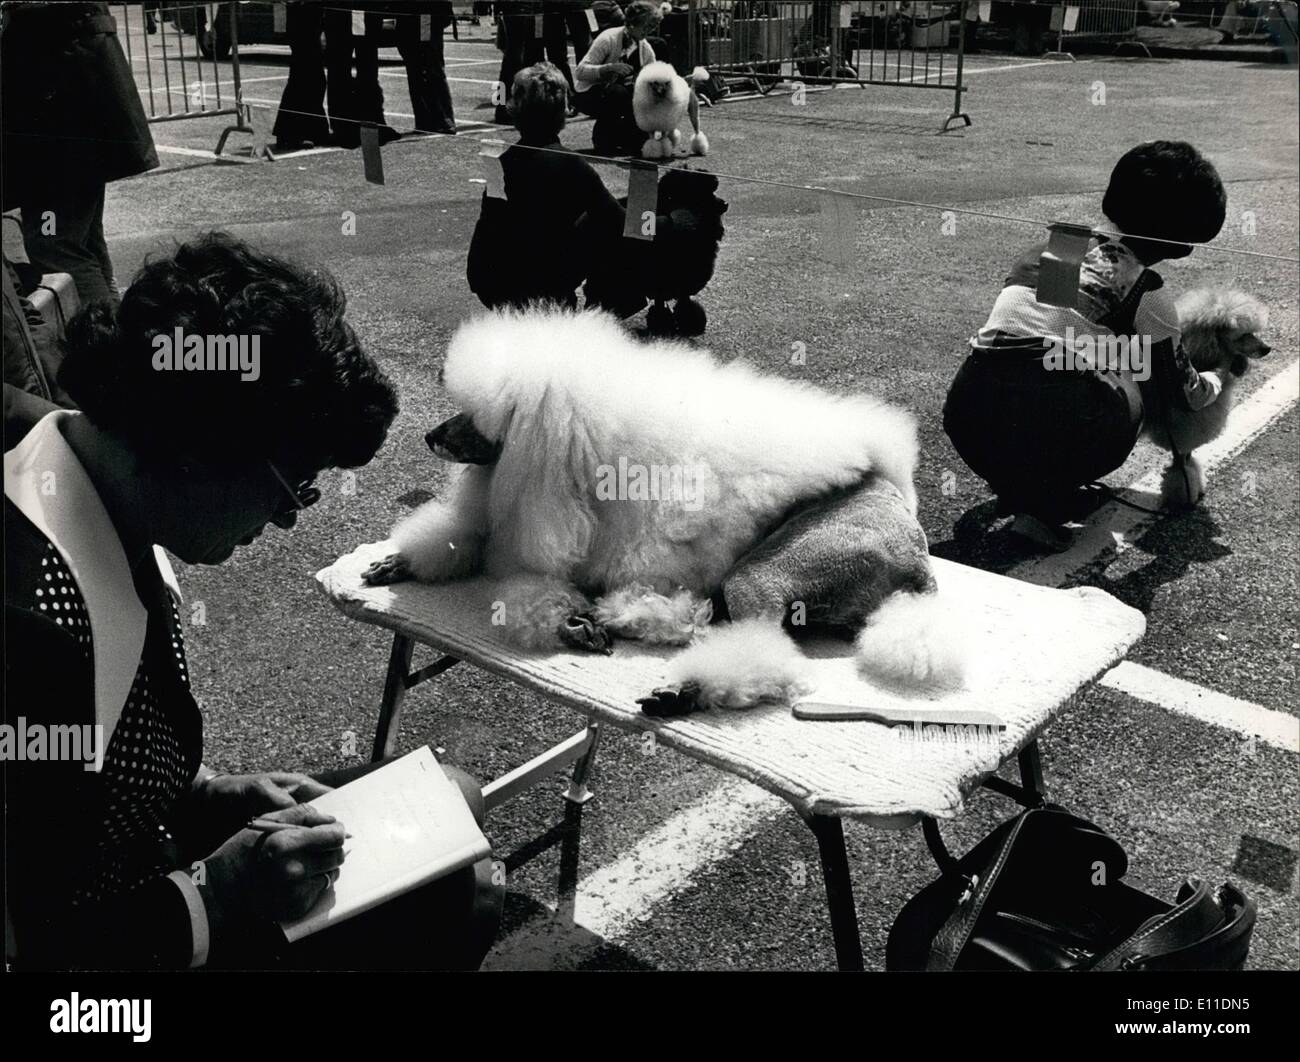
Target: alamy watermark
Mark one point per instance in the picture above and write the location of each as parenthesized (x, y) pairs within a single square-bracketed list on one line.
[(77, 1015), (629, 481), (195, 352), (1084, 353), (39, 742)]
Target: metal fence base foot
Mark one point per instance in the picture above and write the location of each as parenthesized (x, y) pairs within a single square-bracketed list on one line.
[(947, 122), (264, 152)]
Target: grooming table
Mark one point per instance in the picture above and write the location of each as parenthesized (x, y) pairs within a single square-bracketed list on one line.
[(1031, 649)]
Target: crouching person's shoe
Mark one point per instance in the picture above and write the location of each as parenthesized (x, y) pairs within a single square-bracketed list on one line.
[(1054, 538)]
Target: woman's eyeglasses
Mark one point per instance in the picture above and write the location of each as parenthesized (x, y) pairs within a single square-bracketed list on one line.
[(301, 497)]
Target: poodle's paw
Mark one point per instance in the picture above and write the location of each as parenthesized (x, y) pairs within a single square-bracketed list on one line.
[(1183, 483), (699, 144), (690, 318), (668, 701), (392, 569), (742, 665), (581, 631), (659, 320), (651, 148)]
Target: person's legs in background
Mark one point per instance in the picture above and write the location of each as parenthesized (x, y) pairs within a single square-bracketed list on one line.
[(426, 74), (339, 80), (64, 233), (368, 96), (302, 106), (558, 21), (520, 47)]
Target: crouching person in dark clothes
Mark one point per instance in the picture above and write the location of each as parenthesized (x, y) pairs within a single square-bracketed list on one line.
[(99, 857), (1039, 427), (538, 243)]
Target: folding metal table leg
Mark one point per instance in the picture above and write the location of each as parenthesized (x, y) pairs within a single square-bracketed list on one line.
[(399, 664), (578, 793), (1031, 769), (829, 832)]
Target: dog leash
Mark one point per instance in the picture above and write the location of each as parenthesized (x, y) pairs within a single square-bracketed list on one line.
[(1113, 495)]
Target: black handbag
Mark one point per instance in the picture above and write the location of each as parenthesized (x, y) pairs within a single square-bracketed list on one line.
[(1044, 891)]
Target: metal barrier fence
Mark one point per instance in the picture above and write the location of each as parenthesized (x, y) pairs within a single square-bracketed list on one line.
[(901, 43), (1111, 21), (1242, 19), (168, 62)]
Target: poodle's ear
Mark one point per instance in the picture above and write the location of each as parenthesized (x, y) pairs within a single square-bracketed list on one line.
[(541, 498), (1248, 314)]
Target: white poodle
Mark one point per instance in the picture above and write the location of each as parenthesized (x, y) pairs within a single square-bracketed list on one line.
[(620, 490), (662, 101), (1219, 333)]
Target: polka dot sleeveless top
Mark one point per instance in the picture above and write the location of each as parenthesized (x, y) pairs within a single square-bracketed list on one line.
[(147, 768)]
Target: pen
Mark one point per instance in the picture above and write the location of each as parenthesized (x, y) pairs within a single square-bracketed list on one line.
[(270, 826)]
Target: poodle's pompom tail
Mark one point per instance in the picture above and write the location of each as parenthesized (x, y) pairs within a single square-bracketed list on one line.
[(1183, 482), (699, 144), (913, 641), (743, 664)]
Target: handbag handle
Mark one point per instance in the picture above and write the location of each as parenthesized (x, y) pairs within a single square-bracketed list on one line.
[(1192, 920)]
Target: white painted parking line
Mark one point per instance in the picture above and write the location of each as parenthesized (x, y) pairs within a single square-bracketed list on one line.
[(1114, 523), (1187, 698), (613, 899), (168, 149)]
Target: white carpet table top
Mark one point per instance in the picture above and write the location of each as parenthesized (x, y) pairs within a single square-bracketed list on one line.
[(1032, 649)]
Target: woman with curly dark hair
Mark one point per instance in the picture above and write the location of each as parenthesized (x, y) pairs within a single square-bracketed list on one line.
[(209, 401)]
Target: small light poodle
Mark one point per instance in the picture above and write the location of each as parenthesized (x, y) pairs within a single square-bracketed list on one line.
[(1220, 334)]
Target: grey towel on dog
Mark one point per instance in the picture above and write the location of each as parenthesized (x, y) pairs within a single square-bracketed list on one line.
[(841, 557)]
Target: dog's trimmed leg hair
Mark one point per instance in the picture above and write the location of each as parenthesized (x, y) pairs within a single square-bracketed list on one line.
[(639, 613), (733, 665), (441, 540), (541, 612)]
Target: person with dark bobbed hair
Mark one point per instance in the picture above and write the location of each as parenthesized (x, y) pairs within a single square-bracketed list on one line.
[(1040, 433), (210, 399)]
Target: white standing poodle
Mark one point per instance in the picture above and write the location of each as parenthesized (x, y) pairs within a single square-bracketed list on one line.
[(662, 101), (623, 490)]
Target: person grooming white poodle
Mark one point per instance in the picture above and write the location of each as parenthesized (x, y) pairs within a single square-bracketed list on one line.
[(621, 490)]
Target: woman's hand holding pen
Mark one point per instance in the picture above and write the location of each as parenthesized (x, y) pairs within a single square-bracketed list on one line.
[(278, 868)]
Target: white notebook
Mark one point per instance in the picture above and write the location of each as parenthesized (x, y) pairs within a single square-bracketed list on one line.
[(409, 825)]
